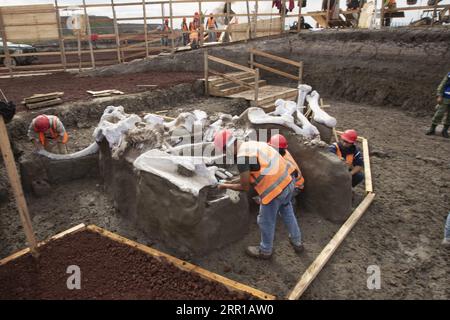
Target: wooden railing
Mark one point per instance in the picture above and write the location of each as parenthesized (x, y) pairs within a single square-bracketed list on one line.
[(207, 70), (299, 64)]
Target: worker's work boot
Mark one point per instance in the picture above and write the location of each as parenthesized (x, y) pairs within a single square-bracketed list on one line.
[(255, 252), (445, 132), (299, 248), (431, 131), (446, 243)]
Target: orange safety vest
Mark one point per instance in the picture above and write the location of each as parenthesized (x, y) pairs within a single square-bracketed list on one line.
[(273, 175), (53, 131), (348, 159), (292, 167), (184, 26), (211, 23)]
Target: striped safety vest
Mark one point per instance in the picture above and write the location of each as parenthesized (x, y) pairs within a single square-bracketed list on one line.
[(292, 167), (54, 134), (348, 159), (273, 175)]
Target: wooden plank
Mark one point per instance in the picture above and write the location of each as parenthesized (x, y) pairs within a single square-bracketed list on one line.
[(313, 270), (273, 57), (43, 104), (281, 73), (43, 96), (230, 64), (367, 170), (16, 185), (232, 79), (183, 265)]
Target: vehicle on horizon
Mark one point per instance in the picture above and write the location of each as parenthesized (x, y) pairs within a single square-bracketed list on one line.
[(18, 48)]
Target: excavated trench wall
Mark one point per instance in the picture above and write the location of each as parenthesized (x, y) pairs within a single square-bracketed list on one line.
[(399, 68), (183, 221)]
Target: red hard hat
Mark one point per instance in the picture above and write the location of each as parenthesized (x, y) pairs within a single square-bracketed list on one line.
[(278, 141), (349, 136), (222, 138), (42, 124)]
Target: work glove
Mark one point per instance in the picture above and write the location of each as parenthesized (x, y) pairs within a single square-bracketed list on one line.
[(7, 110)]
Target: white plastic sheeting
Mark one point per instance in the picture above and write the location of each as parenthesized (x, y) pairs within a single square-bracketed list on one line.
[(165, 166), (113, 124)]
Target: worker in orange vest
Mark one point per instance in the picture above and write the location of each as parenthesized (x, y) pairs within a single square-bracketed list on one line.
[(185, 30), (279, 143), (46, 131), (193, 35), (211, 26), (347, 151), (165, 33), (263, 168)]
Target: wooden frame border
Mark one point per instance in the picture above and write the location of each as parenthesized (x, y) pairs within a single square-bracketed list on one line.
[(327, 252), (182, 265)]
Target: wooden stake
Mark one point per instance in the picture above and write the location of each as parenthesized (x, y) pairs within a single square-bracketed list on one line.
[(315, 267), (328, 14), (60, 38), (80, 63), (171, 26), (381, 14), (256, 86), (116, 31), (16, 186), (205, 66), (5, 45), (300, 73), (283, 15), (249, 24), (145, 28), (91, 49), (299, 27)]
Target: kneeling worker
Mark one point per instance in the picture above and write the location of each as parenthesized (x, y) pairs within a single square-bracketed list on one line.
[(261, 166), (279, 143), (46, 131), (347, 151)]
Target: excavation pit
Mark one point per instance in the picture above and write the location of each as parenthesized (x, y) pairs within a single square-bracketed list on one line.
[(110, 192)]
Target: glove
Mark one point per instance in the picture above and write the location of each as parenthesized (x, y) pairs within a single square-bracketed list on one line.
[(7, 110)]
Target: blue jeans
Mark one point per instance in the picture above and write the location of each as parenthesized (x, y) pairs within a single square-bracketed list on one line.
[(212, 35), (447, 227), (267, 219), (357, 178)]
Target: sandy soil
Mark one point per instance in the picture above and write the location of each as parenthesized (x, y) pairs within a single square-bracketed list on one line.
[(401, 231)]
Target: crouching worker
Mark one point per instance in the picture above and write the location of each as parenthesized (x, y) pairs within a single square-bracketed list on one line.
[(347, 151), (261, 166), (279, 143), (46, 132)]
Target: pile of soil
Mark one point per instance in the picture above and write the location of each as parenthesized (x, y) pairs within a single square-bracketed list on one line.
[(109, 270), (74, 87)]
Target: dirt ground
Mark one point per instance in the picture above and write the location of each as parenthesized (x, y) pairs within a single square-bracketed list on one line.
[(400, 233), (75, 87)]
